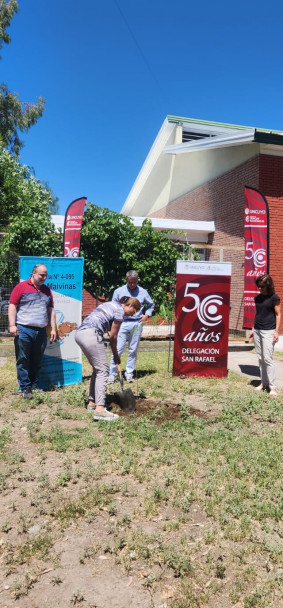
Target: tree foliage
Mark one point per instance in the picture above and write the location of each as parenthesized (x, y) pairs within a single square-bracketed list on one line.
[(7, 11), (25, 214), (112, 245), (15, 116), (20, 191), (25, 202)]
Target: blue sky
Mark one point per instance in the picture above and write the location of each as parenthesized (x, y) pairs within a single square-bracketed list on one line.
[(111, 70)]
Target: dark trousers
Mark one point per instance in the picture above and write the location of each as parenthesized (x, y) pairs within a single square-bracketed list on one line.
[(29, 347)]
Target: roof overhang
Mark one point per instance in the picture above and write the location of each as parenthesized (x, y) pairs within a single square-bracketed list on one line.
[(193, 232), (210, 135), (226, 138)]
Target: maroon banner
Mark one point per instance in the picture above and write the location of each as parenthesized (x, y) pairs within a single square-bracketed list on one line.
[(256, 249), (72, 227), (202, 319)]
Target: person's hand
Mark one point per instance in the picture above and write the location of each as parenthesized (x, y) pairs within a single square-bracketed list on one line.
[(143, 319), (275, 337), (117, 360), (53, 335), (251, 334), (13, 330)]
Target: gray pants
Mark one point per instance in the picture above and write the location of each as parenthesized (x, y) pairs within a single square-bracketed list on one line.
[(92, 345), (264, 345)]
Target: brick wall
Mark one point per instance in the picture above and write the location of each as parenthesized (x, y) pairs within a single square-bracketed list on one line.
[(271, 185), (222, 200), (88, 303)]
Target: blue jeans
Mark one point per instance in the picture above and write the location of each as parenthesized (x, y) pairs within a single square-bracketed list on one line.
[(29, 347), (130, 331)]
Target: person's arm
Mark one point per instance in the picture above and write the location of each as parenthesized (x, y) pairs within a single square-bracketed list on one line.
[(278, 319), (149, 310), (52, 321), (12, 314), (113, 340)]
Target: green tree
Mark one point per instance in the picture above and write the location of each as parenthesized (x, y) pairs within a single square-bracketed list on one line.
[(7, 11), (20, 191), (15, 116), (112, 245), (25, 214)]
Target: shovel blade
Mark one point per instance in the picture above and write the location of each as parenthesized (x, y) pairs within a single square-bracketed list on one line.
[(126, 400)]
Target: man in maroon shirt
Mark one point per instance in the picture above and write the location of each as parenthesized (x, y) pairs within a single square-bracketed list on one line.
[(31, 309)]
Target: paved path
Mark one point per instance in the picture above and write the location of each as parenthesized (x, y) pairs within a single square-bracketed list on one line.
[(245, 362)]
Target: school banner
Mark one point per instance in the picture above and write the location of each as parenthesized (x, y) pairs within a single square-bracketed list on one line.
[(256, 249), (202, 319), (72, 227), (62, 362)]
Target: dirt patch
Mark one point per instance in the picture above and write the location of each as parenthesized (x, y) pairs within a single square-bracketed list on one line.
[(134, 514), (168, 411)]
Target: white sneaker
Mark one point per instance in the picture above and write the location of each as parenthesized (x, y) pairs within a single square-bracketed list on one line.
[(129, 377), (105, 415), (111, 379)]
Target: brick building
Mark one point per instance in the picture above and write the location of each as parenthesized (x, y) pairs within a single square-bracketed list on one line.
[(196, 171)]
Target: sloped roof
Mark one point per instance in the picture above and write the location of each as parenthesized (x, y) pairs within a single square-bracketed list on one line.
[(209, 123), (204, 134), (164, 176)]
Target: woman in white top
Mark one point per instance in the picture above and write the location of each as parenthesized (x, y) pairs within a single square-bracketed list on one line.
[(89, 336)]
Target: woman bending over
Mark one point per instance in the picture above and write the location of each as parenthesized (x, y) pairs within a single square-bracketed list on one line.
[(89, 336)]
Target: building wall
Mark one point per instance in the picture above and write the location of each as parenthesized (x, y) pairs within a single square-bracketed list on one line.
[(88, 303), (271, 185), (195, 169), (222, 200)]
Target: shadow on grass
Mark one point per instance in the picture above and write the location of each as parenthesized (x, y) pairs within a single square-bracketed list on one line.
[(250, 370), (144, 372)]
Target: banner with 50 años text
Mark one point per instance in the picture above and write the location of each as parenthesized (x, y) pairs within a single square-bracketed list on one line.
[(62, 360), (72, 227), (202, 319), (256, 249)]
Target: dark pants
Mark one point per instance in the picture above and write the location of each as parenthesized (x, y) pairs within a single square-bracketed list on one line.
[(29, 347)]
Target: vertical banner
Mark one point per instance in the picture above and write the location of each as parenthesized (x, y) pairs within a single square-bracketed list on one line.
[(202, 319), (72, 227), (256, 249), (62, 362)]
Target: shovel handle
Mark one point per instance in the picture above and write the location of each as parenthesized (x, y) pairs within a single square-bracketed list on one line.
[(120, 375)]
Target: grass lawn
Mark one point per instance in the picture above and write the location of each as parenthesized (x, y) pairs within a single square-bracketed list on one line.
[(176, 506)]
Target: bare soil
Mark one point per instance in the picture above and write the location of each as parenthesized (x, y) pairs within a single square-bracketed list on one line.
[(65, 578), (59, 551)]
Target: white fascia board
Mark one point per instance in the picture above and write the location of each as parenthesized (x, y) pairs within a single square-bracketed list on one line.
[(152, 157), (237, 139), (173, 224), (271, 150)]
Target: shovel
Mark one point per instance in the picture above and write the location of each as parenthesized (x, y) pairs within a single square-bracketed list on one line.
[(125, 398)]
